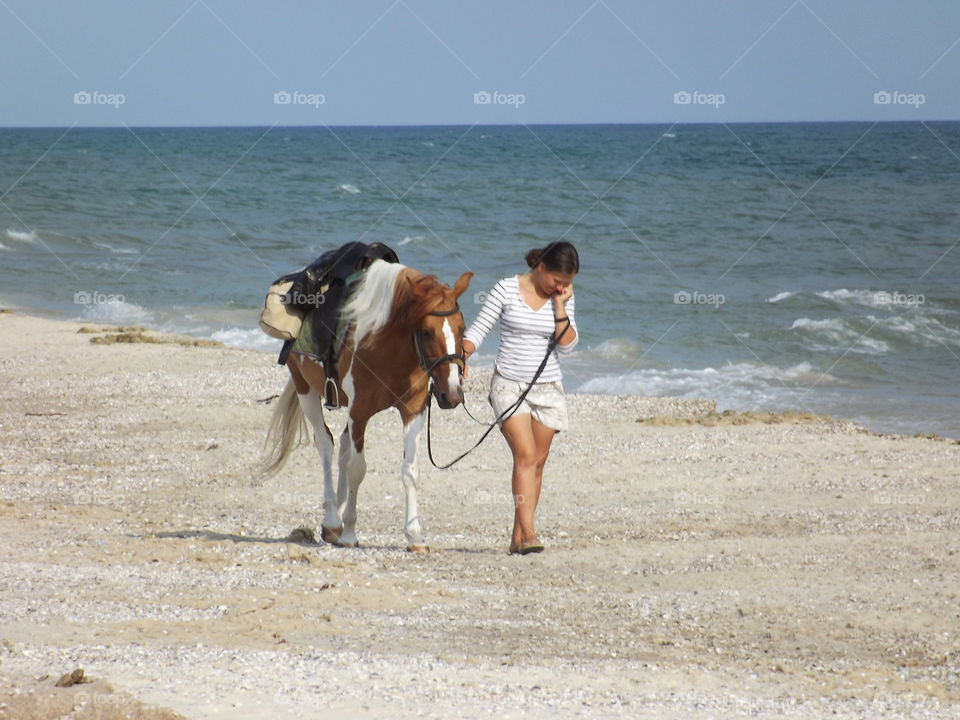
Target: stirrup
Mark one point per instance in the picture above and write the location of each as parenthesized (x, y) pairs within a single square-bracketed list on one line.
[(331, 394)]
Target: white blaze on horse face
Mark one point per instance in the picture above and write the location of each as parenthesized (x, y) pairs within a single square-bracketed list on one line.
[(453, 381)]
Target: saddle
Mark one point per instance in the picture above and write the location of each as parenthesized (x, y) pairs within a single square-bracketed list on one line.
[(318, 293)]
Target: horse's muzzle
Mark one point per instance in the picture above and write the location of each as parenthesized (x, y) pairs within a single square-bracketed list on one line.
[(447, 400)]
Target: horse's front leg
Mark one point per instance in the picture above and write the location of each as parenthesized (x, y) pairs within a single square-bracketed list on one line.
[(353, 467), (410, 473)]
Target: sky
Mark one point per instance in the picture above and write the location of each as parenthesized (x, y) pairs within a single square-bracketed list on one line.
[(453, 62)]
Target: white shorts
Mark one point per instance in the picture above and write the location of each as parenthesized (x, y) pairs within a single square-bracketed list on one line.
[(545, 402)]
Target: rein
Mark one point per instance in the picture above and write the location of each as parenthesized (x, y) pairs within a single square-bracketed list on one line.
[(503, 416)]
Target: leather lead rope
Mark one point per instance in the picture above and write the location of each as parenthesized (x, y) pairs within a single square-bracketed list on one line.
[(506, 414)]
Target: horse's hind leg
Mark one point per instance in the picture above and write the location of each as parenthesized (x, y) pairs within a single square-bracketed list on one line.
[(312, 406)]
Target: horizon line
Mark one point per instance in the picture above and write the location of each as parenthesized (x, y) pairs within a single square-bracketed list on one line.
[(484, 125)]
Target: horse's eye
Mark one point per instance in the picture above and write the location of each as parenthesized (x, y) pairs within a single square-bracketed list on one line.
[(428, 333)]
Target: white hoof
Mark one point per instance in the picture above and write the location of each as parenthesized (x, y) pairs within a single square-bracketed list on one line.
[(347, 541)]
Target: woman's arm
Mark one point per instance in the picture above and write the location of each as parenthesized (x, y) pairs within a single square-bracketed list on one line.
[(487, 317), (563, 309)]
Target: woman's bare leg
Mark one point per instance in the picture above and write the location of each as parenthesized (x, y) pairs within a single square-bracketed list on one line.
[(529, 442)]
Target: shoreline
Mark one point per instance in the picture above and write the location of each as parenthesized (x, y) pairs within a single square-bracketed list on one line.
[(776, 565), (729, 415)]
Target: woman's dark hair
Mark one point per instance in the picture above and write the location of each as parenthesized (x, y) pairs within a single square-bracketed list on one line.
[(559, 256)]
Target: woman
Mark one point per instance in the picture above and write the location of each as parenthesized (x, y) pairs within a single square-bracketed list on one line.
[(533, 309)]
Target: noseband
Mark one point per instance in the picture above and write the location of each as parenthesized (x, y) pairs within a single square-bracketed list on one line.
[(428, 364)]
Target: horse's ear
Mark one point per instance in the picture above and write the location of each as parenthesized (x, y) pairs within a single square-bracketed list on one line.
[(461, 284), (414, 288)]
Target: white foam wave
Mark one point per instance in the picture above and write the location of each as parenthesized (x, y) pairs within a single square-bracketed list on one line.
[(411, 238), (108, 309), (348, 188), (833, 324), (114, 249), (247, 338), (21, 236), (735, 385), (844, 294), (883, 299), (611, 357), (928, 331), (855, 334), (617, 349), (836, 333)]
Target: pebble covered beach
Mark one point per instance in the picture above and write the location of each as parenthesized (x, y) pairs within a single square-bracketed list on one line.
[(697, 564)]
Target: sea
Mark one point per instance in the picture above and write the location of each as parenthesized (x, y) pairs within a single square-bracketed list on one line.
[(810, 267)]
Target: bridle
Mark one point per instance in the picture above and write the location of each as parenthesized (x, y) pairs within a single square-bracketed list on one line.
[(428, 364)]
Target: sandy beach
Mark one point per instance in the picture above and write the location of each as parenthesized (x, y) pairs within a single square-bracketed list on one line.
[(697, 565)]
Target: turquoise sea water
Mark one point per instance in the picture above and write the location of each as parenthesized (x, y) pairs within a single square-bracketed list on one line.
[(789, 266)]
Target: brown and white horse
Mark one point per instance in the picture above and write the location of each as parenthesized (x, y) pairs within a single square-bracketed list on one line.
[(405, 328)]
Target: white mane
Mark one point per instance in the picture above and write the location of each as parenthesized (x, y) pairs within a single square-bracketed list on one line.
[(369, 308)]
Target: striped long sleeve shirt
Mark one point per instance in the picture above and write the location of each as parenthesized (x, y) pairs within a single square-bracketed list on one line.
[(524, 333)]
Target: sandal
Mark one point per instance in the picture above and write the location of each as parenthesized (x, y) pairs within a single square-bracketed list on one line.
[(527, 548)]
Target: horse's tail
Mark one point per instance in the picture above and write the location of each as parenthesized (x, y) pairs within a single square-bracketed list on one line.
[(287, 429)]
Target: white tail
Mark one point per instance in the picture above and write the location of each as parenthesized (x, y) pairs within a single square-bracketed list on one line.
[(288, 428)]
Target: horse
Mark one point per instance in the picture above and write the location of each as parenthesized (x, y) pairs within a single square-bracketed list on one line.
[(405, 329)]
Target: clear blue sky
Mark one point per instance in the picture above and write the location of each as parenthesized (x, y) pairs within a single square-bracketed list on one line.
[(415, 62)]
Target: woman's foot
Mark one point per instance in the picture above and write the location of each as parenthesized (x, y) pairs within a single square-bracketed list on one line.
[(526, 548)]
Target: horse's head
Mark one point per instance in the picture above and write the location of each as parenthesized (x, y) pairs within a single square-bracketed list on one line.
[(438, 337)]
